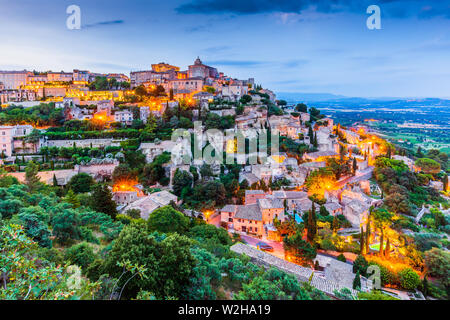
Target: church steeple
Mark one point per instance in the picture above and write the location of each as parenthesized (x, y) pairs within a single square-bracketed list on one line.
[(198, 61)]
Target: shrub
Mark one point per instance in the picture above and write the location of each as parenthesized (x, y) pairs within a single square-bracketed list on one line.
[(341, 257), (409, 279), (80, 254)]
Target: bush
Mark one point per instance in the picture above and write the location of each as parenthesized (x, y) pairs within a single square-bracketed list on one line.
[(87, 235), (341, 257), (80, 254)]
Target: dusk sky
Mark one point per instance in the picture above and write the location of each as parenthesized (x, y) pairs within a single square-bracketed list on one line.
[(287, 46)]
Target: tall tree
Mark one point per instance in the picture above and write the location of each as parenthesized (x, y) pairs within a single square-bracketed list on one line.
[(32, 179), (298, 250), (310, 132), (357, 281), (101, 200), (312, 224), (354, 166), (335, 224), (419, 153), (72, 199), (367, 235), (55, 181), (388, 248), (361, 241), (382, 219)]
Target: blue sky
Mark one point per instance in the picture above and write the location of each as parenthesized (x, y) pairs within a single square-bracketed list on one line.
[(312, 46)]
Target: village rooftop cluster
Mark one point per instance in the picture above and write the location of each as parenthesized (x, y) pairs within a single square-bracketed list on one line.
[(117, 129)]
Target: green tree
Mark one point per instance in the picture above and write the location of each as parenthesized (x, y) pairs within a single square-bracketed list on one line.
[(81, 182), (72, 199), (311, 224), (301, 107), (361, 241), (299, 250), (357, 281), (382, 219), (32, 179), (354, 166), (315, 143), (169, 262), (419, 153), (168, 220), (428, 165), (28, 277), (101, 200), (66, 226), (245, 99), (360, 265), (341, 258), (181, 179), (36, 229), (437, 262)]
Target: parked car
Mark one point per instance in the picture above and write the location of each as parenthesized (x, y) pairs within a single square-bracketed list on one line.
[(264, 246)]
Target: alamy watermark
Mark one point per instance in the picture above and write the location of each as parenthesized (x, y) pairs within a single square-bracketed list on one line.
[(374, 21), (73, 21)]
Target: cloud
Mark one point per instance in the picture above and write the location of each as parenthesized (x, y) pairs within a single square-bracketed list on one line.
[(236, 63), (372, 59), (102, 23), (390, 8), (110, 66), (216, 49), (294, 63), (199, 28), (258, 63)]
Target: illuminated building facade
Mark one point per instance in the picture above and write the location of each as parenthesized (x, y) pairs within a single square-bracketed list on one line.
[(14, 79)]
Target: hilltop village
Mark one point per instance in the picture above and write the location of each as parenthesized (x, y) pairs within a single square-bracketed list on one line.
[(89, 179)]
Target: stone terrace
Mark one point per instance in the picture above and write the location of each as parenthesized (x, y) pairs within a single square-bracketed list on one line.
[(303, 274)]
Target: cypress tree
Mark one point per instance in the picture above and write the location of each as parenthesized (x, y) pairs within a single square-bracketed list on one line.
[(316, 265), (388, 248), (425, 286), (354, 166), (101, 200), (335, 224), (72, 199), (367, 236), (445, 182), (310, 133), (361, 241), (357, 281), (55, 181), (312, 224), (381, 252), (419, 153)]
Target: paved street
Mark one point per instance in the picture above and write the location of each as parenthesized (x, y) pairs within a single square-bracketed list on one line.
[(363, 175), (278, 250)]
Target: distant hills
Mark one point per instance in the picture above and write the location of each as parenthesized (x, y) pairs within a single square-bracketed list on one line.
[(295, 97)]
